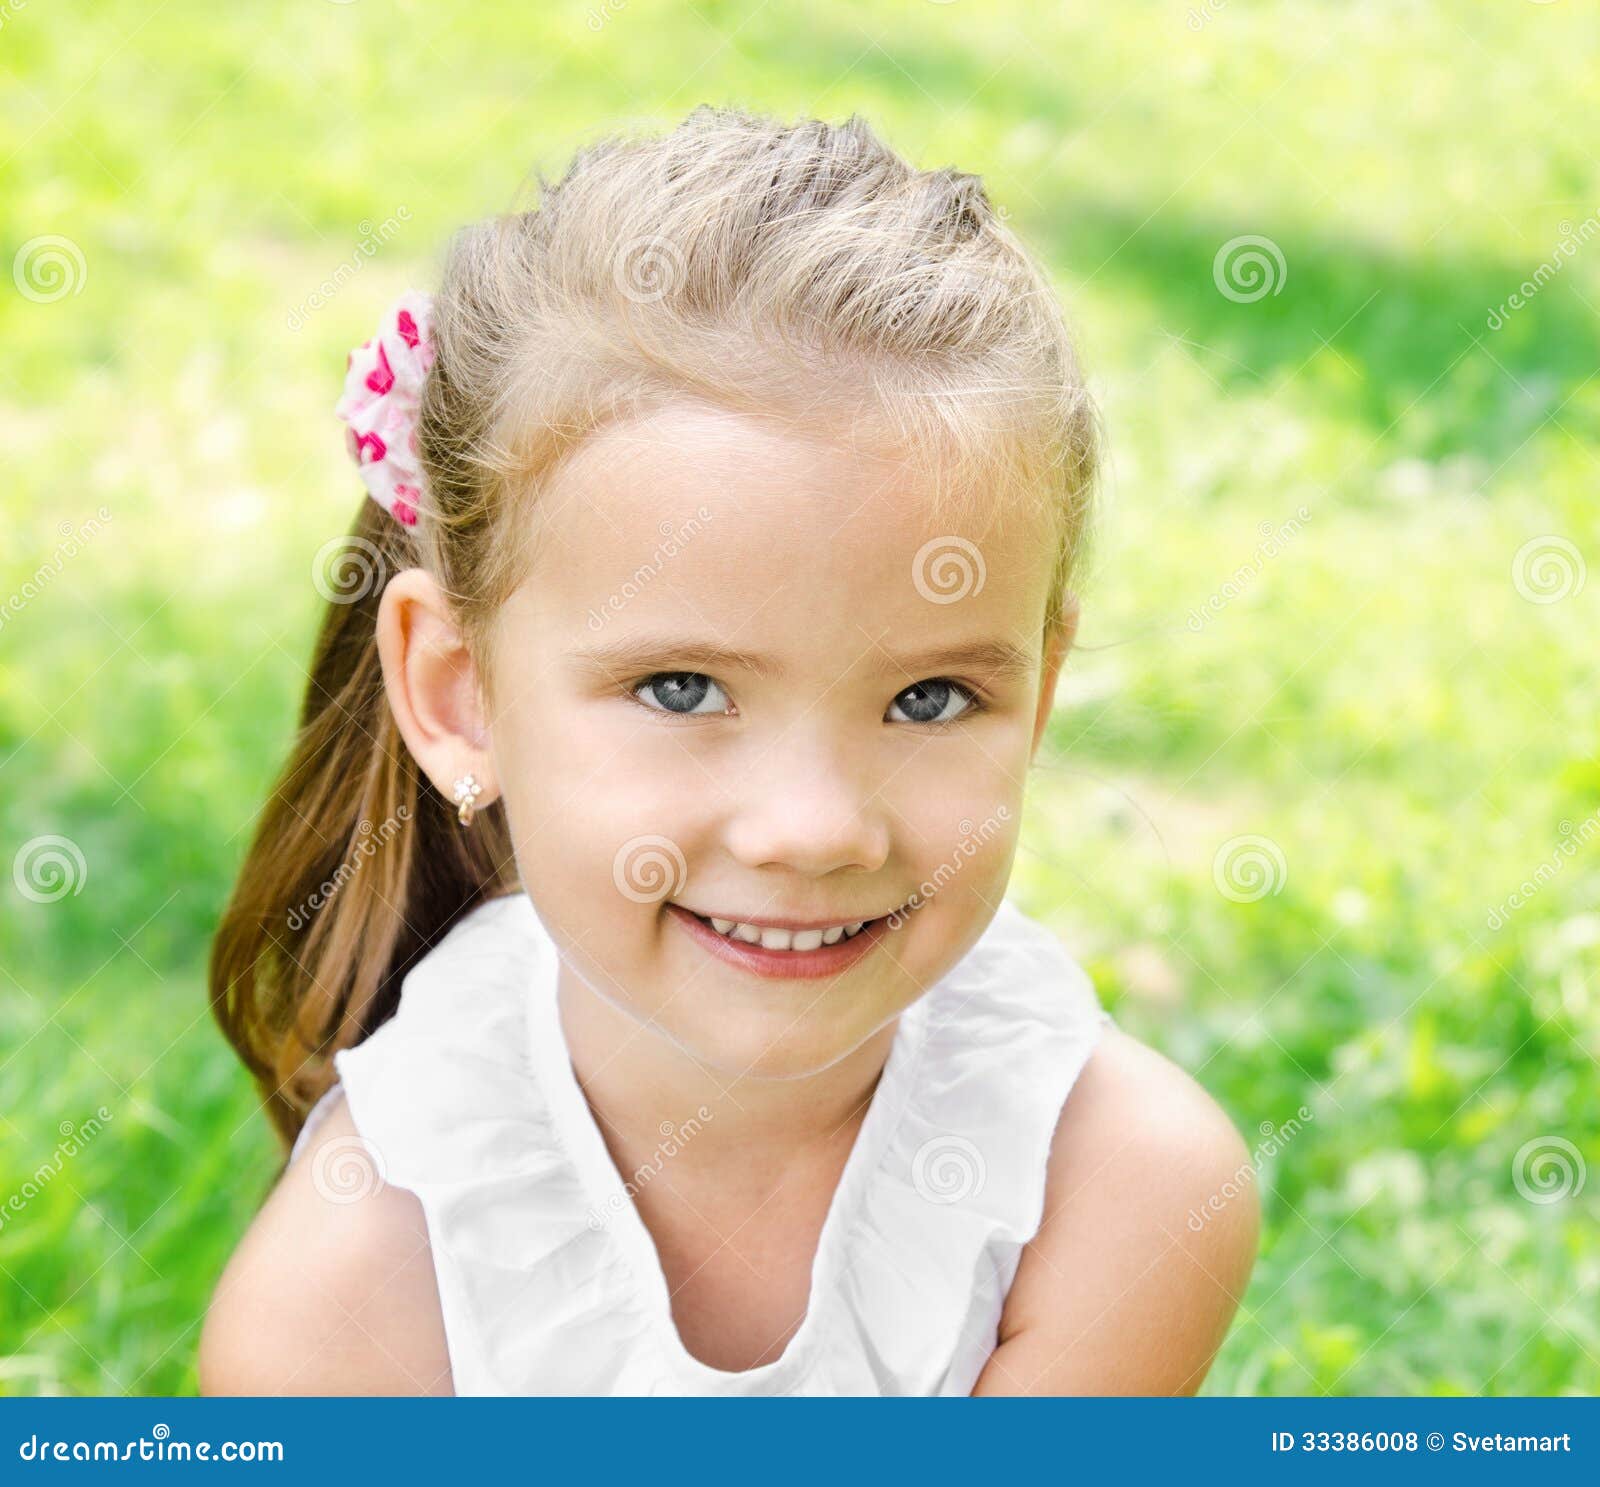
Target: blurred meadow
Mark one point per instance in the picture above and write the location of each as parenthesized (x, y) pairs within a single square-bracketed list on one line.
[(1318, 802)]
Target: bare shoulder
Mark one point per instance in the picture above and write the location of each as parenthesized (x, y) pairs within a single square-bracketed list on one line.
[(1148, 1238), (331, 1290)]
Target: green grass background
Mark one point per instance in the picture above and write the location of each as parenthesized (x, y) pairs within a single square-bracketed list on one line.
[(1378, 701)]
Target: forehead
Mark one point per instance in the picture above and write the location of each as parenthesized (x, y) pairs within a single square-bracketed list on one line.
[(716, 524)]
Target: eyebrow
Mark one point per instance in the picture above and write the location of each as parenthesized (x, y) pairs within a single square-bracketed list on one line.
[(640, 655)]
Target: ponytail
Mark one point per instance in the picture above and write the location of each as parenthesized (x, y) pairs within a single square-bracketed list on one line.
[(358, 865)]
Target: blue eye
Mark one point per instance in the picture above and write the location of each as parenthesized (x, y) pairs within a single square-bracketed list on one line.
[(933, 701), (692, 693), (681, 692)]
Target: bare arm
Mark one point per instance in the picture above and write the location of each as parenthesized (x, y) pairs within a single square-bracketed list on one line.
[(1139, 1263), (329, 1294)]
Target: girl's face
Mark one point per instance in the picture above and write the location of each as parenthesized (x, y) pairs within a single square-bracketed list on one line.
[(751, 678)]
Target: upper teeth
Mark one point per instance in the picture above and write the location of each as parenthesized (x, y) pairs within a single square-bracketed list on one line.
[(785, 939)]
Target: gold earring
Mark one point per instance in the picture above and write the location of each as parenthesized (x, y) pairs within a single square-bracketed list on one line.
[(467, 791)]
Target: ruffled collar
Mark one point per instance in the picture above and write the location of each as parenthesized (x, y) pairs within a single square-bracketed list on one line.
[(603, 1185)]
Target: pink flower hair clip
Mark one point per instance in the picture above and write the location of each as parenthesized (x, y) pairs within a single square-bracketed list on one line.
[(382, 394)]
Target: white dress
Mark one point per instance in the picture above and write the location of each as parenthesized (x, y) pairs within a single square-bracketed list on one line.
[(550, 1283)]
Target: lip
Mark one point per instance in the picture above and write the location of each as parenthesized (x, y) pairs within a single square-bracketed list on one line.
[(783, 965), (779, 923)]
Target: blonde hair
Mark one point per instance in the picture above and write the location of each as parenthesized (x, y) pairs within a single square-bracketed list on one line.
[(803, 271)]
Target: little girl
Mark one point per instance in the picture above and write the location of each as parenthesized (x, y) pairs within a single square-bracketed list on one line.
[(625, 940)]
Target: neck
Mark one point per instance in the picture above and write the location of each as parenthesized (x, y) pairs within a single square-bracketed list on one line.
[(643, 1088)]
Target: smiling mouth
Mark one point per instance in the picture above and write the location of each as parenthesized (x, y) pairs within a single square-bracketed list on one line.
[(784, 940)]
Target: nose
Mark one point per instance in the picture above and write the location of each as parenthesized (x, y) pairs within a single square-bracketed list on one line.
[(803, 808)]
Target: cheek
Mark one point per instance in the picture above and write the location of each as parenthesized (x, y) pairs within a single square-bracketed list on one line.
[(959, 816), (602, 808), (951, 785)]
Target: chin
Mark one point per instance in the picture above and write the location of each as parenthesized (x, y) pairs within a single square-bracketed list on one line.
[(781, 1043)]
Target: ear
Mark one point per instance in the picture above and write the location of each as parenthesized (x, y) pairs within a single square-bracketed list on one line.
[(1057, 643), (433, 685)]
